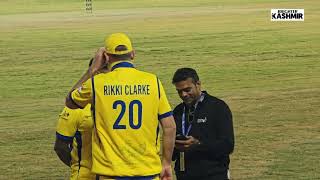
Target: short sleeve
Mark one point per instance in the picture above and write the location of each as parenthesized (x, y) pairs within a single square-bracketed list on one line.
[(83, 95), (164, 106), (67, 124)]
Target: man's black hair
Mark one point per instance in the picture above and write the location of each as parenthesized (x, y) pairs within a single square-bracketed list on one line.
[(121, 56), (91, 61), (183, 74)]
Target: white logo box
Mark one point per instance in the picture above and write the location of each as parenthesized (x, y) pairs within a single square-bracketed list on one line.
[(287, 15)]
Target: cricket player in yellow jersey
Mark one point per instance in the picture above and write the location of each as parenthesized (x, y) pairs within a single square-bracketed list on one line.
[(74, 136), (128, 106), (73, 141)]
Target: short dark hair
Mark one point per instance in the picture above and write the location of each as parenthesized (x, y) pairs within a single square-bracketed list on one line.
[(121, 56), (183, 74), (121, 48), (90, 62)]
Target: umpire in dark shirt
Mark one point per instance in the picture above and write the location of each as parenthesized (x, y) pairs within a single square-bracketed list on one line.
[(205, 136)]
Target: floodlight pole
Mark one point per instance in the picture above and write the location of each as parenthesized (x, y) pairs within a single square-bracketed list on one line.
[(89, 6)]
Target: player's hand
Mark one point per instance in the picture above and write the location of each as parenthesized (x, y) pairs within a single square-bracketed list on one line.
[(101, 59), (184, 145), (166, 173)]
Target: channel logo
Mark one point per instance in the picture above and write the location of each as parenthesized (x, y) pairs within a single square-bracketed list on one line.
[(287, 14)]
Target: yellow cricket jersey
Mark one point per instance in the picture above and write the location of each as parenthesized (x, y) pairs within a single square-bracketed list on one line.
[(127, 106), (75, 125)]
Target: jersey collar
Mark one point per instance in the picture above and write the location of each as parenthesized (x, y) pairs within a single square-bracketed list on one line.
[(120, 64)]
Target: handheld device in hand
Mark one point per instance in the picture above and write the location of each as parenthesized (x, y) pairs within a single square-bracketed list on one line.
[(181, 137)]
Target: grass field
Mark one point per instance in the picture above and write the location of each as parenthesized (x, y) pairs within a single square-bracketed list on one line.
[(268, 72)]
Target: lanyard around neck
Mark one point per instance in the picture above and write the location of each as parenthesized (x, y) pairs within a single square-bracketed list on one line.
[(184, 117), (184, 123)]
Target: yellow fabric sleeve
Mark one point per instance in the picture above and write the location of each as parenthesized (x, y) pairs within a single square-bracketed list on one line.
[(164, 106), (83, 95), (67, 124)]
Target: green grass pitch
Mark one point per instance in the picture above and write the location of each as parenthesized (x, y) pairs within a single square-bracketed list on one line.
[(268, 72)]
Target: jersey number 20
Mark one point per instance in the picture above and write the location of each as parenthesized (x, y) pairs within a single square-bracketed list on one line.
[(123, 106)]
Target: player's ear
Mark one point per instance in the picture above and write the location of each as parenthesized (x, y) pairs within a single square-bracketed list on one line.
[(198, 84), (132, 54)]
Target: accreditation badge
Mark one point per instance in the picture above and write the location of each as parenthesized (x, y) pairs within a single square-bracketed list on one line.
[(182, 162)]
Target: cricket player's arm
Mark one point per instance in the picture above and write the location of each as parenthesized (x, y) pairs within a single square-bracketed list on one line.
[(168, 125), (169, 134), (81, 96), (98, 65), (83, 79), (63, 150), (67, 126)]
